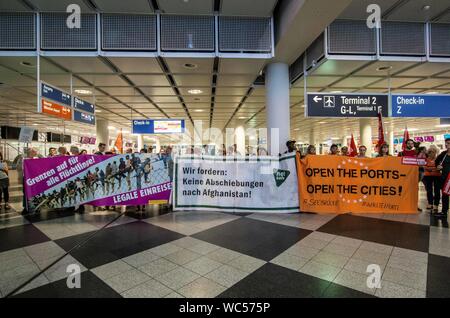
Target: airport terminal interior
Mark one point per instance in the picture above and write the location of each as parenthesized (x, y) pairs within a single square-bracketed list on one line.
[(220, 78)]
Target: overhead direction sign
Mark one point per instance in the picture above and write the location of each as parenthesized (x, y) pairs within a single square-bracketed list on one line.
[(56, 110), (346, 105), (56, 102), (158, 126), (420, 105), (55, 94), (83, 117), (83, 105)]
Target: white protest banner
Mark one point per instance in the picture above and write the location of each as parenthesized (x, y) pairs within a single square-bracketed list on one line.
[(238, 184)]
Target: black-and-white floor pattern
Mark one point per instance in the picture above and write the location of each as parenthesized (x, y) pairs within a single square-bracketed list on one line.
[(212, 254)]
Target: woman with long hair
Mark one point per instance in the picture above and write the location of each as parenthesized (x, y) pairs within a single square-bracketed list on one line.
[(384, 151)]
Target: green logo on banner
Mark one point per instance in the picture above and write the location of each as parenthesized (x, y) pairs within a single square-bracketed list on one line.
[(280, 176)]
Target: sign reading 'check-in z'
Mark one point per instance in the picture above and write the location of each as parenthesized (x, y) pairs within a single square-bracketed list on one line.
[(346, 105)]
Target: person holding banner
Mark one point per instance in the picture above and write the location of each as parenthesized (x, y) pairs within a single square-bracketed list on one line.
[(362, 152), (384, 151), (409, 150), (311, 150), (101, 149), (344, 151), (51, 152), (443, 161), (334, 150)]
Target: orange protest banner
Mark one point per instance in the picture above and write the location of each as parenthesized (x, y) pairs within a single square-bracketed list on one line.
[(337, 184)]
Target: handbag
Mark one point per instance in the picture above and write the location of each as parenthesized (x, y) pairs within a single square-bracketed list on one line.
[(446, 186)]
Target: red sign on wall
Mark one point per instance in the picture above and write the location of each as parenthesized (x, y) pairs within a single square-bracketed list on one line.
[(56, 110)]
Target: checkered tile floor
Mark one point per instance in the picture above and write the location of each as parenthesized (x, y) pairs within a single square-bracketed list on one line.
[(211, 254)]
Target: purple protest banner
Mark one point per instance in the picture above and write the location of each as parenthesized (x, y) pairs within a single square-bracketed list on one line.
[(66, 181)]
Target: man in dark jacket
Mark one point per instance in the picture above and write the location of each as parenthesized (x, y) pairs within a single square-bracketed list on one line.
[(443, 164)]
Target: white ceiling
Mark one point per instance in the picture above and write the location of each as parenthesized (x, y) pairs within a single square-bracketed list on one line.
[(130, 88), (120, 101)]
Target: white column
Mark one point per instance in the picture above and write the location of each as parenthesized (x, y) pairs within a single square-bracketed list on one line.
[(391, 141), (102, 132), (239, 137), (312, 137), (157, 145), (277, 107), (365, 131), (140, 142), (313, 140), (344, 141)]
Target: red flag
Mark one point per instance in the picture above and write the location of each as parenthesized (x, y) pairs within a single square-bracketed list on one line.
[(352, 151), (380, 132), (119, 142), (405, 138)]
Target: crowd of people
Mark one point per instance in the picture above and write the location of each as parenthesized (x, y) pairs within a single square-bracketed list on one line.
[(434, 169)]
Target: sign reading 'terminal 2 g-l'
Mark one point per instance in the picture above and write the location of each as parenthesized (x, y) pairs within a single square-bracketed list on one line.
[(337, 184), (266, 184), (346, 105)]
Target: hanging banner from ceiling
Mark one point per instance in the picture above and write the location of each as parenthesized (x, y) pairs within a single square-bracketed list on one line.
[(235, 184), (346, 105), (67, 181)]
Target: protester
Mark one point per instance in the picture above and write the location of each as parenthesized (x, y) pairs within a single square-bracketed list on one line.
[(290, 144), (232, 151), (409, 151), (74, 151), (344, 151), (421, 154), (62, 151), (311, 150), (334, 150), (261, 151), (101, 149), (169, 161), (143, 150), (51, 152), (4, 183), (384, 151), (362, 151), (31, 153), (443, 165), (431, 180), (83, 152)]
